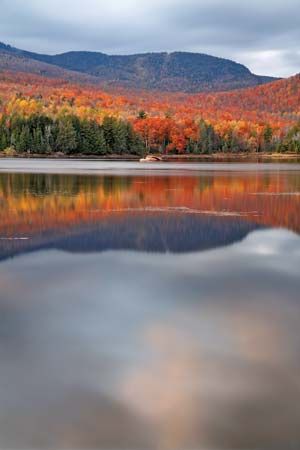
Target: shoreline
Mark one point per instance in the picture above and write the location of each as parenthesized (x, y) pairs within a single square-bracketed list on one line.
[(215, 157)]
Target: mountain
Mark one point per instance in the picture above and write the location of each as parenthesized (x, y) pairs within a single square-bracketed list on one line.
[(179, 71), (13, 61)]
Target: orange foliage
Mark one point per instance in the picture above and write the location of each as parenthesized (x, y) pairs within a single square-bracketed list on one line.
[(76, 200), (171, 117)]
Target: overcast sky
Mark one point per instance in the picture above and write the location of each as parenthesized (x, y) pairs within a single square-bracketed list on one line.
[(263, 34)]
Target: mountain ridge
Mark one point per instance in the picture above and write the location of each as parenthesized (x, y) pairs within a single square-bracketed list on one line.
[(175, 71)]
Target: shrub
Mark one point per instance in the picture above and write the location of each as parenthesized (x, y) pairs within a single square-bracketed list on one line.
[(9, 151)]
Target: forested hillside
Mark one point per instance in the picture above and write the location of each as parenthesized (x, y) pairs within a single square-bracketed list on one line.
[(41, 115), (14, 62), (172, 72)]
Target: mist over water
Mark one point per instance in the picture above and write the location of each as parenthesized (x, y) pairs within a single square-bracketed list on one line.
[(150, 311)]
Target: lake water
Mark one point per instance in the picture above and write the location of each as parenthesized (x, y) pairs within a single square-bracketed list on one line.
[(149, 306)]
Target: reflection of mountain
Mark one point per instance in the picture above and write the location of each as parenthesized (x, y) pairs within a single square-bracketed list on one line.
[(149, 232), (157, 213)]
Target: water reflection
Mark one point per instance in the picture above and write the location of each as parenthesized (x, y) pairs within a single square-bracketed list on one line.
[(135, 350), (125, 349), (149, 213)]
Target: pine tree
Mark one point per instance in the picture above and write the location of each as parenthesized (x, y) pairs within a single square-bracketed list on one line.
[(138, 147), (14, 138), (25, 141), (203, 137), (267, 136), (100, 144), (120, 137), (38, 143), (4, 140), (48, 138), (142, 115), (107, 126), (66, 141), (87, 137)]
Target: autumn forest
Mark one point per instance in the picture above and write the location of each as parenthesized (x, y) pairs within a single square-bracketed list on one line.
[(41, 115)]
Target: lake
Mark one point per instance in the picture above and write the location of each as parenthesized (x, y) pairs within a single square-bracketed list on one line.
[(149, 306)]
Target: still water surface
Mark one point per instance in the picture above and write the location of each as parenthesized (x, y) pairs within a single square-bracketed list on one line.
[(149, 307)]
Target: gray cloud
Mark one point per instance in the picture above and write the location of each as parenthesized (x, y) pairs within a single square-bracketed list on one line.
[(262, 35)]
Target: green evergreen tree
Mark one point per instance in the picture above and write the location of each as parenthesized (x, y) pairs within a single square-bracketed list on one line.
[(14, 138), (267, 136), (119, 137), (48, 139), (99, 143), (137, 147), (107, 127), (87, 137), (66, 140), (142, 115), (208, 141), (203, 137), (4, 138), (24, 142), (38, 143)]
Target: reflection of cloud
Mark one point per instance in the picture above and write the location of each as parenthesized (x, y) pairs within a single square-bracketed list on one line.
[(76, 419), (271, 243), (188, 351), (164, 390), (229, 399)]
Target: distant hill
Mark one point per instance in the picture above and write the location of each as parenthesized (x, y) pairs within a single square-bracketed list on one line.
[(179, 71), (16, 62), (280, 98)]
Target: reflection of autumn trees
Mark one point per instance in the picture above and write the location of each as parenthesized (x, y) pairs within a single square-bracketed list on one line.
[(33, 203)]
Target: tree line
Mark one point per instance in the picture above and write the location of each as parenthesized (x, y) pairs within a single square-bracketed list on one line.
[(209, 141), (70, 135), (167, 136)]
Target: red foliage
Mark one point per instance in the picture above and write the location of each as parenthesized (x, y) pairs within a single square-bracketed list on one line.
[(171, 118)]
